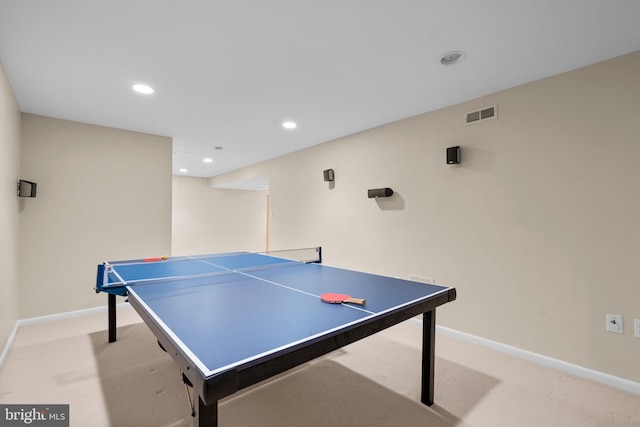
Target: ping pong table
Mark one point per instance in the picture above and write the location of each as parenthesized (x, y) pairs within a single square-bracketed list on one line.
[(232, 320)]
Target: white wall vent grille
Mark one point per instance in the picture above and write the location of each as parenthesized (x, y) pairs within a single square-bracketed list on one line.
[(477, 116)]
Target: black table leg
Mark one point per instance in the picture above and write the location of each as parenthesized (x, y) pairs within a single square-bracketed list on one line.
[(112, 317), (428, 355), (206, 415)]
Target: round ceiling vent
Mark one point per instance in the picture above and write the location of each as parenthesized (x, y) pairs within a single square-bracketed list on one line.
[(450, 58)]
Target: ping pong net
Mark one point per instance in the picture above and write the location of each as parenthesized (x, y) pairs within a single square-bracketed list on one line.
[(113, 277), (306, 255)]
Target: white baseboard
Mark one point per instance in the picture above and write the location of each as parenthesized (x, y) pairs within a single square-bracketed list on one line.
[(51, 318), (579, 371), (68, 315), (5, 351)]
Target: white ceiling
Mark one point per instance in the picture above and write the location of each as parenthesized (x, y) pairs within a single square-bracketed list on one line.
[(227, 73)]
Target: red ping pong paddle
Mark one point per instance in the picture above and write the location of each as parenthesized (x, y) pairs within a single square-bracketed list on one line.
[(340, 298), (162, 258)]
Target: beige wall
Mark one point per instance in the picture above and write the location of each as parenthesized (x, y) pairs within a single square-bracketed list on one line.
[(210, 220), (9, 207), (537, 228), (95, 203)]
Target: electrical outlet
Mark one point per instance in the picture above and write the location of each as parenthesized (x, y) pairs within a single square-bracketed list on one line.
[(636, 328), (614, 323)]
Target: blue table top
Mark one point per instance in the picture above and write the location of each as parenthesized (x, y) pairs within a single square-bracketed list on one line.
[(139, 270), (236, 309)]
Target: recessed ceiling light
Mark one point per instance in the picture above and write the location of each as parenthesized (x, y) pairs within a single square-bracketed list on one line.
[(289, 125), (144, 89), (207, 160), (451, 58), (183, 170)]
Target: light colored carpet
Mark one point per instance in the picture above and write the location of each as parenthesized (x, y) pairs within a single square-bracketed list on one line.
[(374, 382)]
